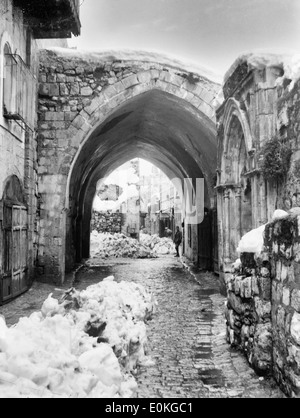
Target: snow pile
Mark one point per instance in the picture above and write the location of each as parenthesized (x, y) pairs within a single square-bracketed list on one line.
[(123, 308), (253, 241), (105, 245), (82, 348), (160, 246), (279, 214)]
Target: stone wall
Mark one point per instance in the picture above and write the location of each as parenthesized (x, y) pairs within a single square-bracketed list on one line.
[(289, 127), (77, 93), (248, 311), (283, 244), (263, 308), (107, 222), (18, 145)]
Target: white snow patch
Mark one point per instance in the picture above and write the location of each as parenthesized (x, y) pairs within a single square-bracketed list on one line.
[(279, 214), (51, 355), (237, 264), (106, 245), (253, 241)]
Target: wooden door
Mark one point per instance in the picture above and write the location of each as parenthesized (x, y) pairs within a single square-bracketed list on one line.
[(15, 251)]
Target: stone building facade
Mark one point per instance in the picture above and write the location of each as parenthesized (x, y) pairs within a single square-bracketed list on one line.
[(257, 108), (21, 25), (57, 144), (261, 103)]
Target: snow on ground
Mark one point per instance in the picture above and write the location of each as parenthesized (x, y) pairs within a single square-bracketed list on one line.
[(106, 245), (85, 347), (160, 246)]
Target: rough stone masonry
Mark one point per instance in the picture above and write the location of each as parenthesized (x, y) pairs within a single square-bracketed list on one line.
[(76, 95), (263, 308)]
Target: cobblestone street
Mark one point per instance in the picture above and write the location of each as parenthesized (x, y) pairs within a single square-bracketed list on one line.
[(186, 336)]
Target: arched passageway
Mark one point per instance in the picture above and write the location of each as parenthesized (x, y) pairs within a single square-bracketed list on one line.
[(160, 114), (154, 126)]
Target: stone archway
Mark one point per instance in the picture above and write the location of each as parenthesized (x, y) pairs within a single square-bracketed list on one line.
[(134, 110), (235, 185)]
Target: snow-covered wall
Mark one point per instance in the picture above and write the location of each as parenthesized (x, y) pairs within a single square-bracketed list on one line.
[(263, 309), (262, 102), (248, 311)]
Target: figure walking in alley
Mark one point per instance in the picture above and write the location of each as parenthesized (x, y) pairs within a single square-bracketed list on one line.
[(178, 240)]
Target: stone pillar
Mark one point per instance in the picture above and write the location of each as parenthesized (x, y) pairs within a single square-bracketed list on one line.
[(238, 214), (227, 226), (51, 256), (221, 228), (30, 182)]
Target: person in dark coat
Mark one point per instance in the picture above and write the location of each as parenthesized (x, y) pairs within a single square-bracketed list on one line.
[(178, 240)]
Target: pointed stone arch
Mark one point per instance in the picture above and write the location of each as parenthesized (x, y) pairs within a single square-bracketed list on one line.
[(67, 136), (235, 191), (234, 115), (103, 105)]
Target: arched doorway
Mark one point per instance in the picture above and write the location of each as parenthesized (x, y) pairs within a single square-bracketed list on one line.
[(235, 188), (14, 241)]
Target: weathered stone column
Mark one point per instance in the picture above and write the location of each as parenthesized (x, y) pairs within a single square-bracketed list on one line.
[(238, 217), (51, 255), (221, 227), (227, 226)]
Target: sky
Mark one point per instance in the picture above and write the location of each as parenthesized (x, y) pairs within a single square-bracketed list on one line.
[(210, 33)]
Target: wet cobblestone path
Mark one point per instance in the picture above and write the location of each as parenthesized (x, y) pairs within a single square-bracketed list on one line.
[(187, 338), (186, 335)]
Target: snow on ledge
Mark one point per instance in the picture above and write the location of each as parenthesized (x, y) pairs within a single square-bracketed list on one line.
[(253, 241), (288, 61), (143, 56)]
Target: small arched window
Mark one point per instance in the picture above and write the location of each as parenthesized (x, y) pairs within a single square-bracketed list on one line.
[(8, 81)]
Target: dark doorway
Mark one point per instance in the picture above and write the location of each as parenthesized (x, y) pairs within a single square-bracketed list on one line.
[(205, 242)]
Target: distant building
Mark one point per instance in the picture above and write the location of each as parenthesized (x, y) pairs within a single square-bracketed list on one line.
[(163, 204)]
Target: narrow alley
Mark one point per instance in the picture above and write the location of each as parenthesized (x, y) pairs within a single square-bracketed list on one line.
[(187, 340)]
